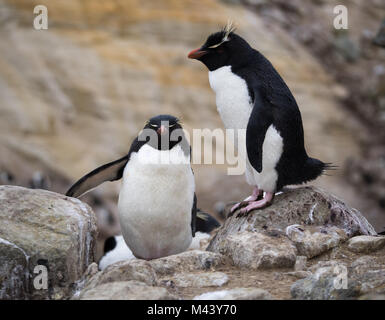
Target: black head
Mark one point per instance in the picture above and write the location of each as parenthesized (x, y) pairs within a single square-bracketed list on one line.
[(223, 48), (163, 132)]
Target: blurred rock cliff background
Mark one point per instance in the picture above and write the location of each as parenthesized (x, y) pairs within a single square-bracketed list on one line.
[(74, 96)]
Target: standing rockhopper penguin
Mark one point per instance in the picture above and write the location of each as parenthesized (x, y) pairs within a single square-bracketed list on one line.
[(251, 95), (157, 203)]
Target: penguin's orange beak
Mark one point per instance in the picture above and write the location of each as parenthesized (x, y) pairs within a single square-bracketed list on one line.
[(196, 54)]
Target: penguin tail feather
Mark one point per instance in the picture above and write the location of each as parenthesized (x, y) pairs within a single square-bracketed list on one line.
[(313, 168), (328, 166)]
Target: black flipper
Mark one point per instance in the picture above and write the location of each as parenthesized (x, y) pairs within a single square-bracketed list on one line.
[(194, 216), (108, 172), (261, 118), (205, 222), (109, 244)]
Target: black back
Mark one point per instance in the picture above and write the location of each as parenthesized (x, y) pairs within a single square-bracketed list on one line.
[(273, 103)]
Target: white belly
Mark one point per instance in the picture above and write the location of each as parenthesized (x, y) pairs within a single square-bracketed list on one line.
[(234, 107), (155, 203)]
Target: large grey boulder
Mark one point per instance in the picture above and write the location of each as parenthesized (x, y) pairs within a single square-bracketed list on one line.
[(305, 221), (42, 228), (258, 251)]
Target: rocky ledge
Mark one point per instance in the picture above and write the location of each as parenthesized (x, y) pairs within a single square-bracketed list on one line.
[(43, 233), (306, 245)]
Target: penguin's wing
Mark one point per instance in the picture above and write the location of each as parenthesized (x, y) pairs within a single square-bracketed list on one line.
[(205, 222), (108, 172), (261, 118), (194, 216)]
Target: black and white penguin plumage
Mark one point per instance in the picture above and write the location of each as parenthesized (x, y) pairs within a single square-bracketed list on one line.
[(251, 95), (157, 202), (115, 249)]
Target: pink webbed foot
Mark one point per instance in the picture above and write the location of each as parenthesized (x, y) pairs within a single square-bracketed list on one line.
[(266, 201), (255, 196)]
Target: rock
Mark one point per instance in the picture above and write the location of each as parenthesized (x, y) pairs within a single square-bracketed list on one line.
[(187, 261), (365, 244), (139, 270), (236, 294), (39, 227), (324, 284), (299, 274), (326, 221), (364, 263), (203, 279), (126, 290), (370, 282), (373, 296), (150, 272), (335, 281), (312, 241), (14, 276), (300, 263), (88, 274), (346, 47), (258, 251), (200, 241), (380, 37)]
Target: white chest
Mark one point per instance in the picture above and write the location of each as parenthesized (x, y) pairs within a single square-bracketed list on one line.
[(234, 107), (155, 202), (232, 97)]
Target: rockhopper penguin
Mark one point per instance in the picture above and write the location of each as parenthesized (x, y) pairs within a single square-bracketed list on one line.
[(157, 202), (115, 249), (251, 95)]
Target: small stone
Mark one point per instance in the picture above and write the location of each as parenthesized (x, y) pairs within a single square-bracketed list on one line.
[(277, 276), (299, 274), (323, 264), (204, 279), (380, 37), (312, 241), (373, 296), (236, 294), (366, 244), (363, 264), (300, 263), (324, 284)]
